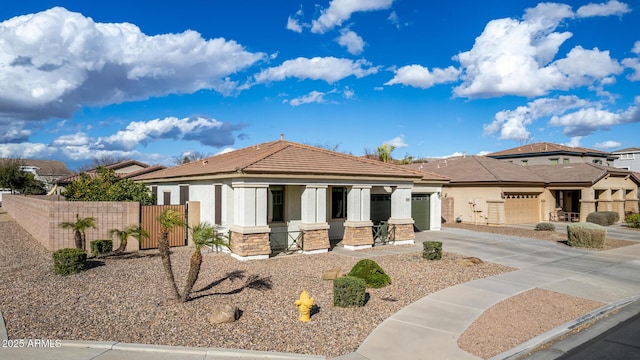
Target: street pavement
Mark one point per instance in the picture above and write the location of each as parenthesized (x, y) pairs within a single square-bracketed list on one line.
[(430, 327)]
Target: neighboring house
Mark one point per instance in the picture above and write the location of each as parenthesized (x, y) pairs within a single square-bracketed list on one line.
[(628, 159), (46, 171), (483, 190), (544, 153), (268, 194), (125, 169)]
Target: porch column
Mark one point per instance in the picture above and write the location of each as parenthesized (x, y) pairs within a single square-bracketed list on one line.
[(358, 233), (587, 203), (617, 198), (249, 230), (314, 223), (604, 201), (631, 200), (401, 215)]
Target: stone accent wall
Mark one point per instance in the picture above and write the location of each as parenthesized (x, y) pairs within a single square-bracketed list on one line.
[(41, 217), (448, 210), (250, 244), (586, 208), (357, 236), (315, 240), (404, 232), (630, 206)]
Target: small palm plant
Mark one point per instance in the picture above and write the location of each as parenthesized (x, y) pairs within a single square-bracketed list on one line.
[(132, 230), (79, 227), (203, 234), (169, 219)]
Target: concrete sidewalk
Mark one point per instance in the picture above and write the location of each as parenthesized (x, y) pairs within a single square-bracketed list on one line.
[(430, 327)]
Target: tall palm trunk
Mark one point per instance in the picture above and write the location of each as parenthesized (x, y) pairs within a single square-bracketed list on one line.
[(78, 239), (163, 248), (192, 277)]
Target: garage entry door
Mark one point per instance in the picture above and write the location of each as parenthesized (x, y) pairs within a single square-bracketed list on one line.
[(521, 208), (420, 211)]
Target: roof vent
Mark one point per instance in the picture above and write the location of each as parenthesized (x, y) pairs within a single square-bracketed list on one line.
[(205, 162), (281, 136)]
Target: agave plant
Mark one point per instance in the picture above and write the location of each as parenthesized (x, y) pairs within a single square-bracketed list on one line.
[(203, 234)]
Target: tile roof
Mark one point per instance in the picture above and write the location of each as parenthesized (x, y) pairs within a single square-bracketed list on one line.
[(577, 173), (541, 148), (474, 169), (92, 172), (627, 150), (284, 157), (47, 167)]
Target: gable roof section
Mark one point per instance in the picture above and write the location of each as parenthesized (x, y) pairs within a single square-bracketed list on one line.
[(145, 169), (545, 148), (627, 150), (46, 167), (479, 169), (284, 157)]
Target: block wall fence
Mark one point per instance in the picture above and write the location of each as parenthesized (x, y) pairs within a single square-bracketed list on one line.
[(41, 217)]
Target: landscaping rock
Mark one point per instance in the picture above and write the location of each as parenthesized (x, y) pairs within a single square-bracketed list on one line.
[(470, 261), (224, 314), (332, 274)]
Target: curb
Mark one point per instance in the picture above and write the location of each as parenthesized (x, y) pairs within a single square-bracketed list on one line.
[(3, 329), (549, 337)]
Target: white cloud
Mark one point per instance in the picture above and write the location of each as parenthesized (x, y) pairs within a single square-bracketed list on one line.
[(636, 47), (612, 7), (420, 77), (397, 142), (588, 120), (513, 57), (312, 97), (633, 63), (512, 124), (77, 139), (58, 61), (348, 93), (574, 142), (329, 69), (341, 10), (294, 25), (351, 40), (609, 144)]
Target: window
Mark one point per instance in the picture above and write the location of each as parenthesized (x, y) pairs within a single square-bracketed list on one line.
[(166, 198), (565, 160), (277, 203), (597, 161), (184, 194), (553, 161), (627, 156), (525, 162), (338, 202)]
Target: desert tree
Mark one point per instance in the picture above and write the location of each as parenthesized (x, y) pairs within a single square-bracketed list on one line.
[(79, 228)]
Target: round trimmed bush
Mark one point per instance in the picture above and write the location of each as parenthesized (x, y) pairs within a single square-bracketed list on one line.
[(633, 220), (545, 226), (69, 261), (372, 274)]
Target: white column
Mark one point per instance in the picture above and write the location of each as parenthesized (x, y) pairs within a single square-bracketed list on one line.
[(314, 206), (250, 207), (435, 210), (401, 203), (359, 206)]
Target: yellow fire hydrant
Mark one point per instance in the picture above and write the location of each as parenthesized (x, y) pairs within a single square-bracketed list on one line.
[(304, 304)]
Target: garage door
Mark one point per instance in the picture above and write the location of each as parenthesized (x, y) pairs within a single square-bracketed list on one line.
[(420, 211), (521, 208)]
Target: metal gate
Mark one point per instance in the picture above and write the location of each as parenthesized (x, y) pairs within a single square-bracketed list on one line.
[(149, 221)]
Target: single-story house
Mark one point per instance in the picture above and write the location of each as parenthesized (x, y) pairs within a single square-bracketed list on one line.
[(484, 190), (46, 171), (268, 194)]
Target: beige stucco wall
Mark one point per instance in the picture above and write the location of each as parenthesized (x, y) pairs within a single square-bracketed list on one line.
[(470, 203)]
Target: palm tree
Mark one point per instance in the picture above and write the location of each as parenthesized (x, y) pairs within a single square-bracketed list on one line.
[(169, 219), (132, 230), (384, 152), (79, 227), (202, 234)]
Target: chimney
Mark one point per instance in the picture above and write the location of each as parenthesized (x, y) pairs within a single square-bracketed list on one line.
[(281, 136)]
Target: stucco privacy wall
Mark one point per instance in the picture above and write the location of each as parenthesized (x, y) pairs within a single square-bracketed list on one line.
[(41, 217)]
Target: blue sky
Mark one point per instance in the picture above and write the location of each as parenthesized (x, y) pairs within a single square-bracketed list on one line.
[(84, 79)]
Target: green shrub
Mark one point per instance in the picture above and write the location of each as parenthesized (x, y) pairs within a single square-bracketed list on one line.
[(349, 291), (372, 274), (545, 226), (597, 218), (432, 250), (101, 246), (612, 217), (69, 261), (587, 235), (633, 220)]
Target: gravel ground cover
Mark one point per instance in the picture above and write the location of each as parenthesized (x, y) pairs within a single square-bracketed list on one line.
[(553, 236), (125, 299)]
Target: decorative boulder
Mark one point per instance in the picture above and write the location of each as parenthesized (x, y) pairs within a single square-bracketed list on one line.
[(470, 261), (224, 314), (332, 274)]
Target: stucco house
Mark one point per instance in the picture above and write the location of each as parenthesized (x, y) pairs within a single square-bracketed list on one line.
[(269, 193), (125, 169), (544, 153), (628, 158), (46, 171), (483, 190)]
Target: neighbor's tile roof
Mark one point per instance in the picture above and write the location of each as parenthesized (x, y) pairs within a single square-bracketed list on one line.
[(627, 150), (544, 148), (283, 157), (92, 173), (576, 173), (479, 169), (47, 167)]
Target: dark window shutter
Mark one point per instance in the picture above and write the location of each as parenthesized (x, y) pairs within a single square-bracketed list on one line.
[(218, 204), (184, 194)]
